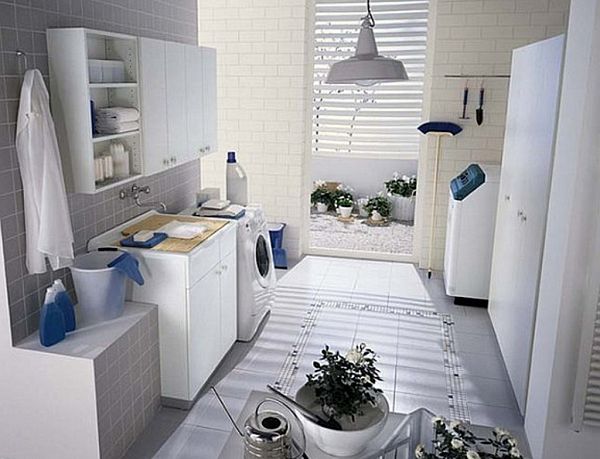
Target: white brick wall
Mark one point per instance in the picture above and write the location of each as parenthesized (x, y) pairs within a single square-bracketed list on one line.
[(262, 96), (476, 37)]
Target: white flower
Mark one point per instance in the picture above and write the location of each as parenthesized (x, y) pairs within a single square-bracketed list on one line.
[(354, 356), (514, 452), (456, 443), (396, 175), (405, 178), (473, 455), (512, 442), (438, 420), (419, 452), (500, 432)]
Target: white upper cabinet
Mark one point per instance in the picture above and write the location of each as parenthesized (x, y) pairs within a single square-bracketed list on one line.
[(91, 68), (154, 103), (176, 110), (209, 76), (195, 99), (182, 88)]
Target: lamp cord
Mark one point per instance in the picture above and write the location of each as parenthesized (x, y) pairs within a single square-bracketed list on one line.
[(369, 14)]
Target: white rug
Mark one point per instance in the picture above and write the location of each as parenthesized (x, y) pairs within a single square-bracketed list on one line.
[(326, 231), (433, 327)]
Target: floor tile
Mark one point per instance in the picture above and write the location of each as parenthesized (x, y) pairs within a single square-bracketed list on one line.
[(405, 403), (487, 391), (191, 442)]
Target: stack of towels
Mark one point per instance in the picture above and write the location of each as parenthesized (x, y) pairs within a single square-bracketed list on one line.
[(114, 120)]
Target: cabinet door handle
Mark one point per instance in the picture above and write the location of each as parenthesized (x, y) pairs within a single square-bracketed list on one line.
[(207, 148), (224, 268), (218, 271), (507, 197)]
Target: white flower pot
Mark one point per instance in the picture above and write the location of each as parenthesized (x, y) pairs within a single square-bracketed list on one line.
[(403, 209), (322, 207), (355, 435), (376, 216), (345, 212), (362, 202)]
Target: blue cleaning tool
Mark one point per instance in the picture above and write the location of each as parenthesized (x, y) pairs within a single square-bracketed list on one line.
[(63, 301), (155, 240), (466, 182), (52, 320), (128, 265), (439, 129)]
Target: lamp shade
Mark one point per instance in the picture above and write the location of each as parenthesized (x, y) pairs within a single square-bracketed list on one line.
[(366, 67)]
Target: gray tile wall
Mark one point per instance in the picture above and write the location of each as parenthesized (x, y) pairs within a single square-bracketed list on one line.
[(22, 26), (128, 386)]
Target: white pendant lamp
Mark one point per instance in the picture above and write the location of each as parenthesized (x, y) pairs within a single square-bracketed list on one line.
[(366, 67)]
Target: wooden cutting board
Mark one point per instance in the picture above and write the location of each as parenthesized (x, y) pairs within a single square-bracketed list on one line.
[(154, 222)]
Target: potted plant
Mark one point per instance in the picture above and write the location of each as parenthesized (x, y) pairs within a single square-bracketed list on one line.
[(453, 440), (345, 205), (402, 190), (321, 198), (341, 192), (342, 388), (379, 208)]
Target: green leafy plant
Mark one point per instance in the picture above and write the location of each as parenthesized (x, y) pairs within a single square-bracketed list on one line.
[(453, 440), (321, 194), (344, 385), (402, 185), (381, 204), (342, 192), (345, 202)]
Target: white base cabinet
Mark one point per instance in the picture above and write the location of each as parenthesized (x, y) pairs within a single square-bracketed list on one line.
[(197, 307)]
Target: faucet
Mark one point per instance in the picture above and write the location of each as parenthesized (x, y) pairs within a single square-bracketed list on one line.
[(134, 193)]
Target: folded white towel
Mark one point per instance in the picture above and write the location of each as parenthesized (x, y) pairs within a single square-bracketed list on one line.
[(117, 128), (120, 114), (182, 230)]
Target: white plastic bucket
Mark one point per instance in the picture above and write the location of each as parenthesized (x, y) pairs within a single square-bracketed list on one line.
[(100, 290)]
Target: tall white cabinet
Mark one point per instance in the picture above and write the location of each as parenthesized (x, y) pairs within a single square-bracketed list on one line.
[(178, 102), (523, 204)]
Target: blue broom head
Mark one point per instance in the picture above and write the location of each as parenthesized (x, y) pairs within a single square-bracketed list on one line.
[(438, 127)]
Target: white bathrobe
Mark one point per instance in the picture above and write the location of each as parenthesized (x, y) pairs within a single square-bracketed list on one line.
[(47, 219)]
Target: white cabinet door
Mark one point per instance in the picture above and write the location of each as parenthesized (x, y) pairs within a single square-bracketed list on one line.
[(194, 100), (228, 302), (176, 104), (209, 75), (153, 89), (526, 171), (204, 330)]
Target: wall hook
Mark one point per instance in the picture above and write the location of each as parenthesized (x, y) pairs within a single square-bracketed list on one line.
[(22, 56)]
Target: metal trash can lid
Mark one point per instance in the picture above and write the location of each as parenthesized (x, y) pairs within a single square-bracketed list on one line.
[(275, 226)]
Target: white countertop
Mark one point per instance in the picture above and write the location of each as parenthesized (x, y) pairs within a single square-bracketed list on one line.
[(88, 342)]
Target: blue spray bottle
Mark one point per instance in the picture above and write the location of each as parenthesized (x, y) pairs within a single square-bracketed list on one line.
[(63, 301), (52, 320)]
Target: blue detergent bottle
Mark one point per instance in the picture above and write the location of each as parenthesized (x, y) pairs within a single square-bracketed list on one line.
[(63, 301), (52, 320)]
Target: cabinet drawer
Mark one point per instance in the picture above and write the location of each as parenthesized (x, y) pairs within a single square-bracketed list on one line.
[(228, 239), (204, 260)]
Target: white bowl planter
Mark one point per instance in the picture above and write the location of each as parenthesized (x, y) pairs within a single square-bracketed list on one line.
[(322, 207), (355, 435), (376, 216), (403, 208), (345, 212)]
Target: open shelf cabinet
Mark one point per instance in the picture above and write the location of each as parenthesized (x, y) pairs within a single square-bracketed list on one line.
[(72, 91)]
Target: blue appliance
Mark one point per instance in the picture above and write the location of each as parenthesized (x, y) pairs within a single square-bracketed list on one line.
[(468, 181)]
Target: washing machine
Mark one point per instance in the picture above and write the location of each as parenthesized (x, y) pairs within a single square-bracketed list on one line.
[(256, 272)]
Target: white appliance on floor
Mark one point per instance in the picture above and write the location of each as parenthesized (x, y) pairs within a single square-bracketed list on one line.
[(256, 272), (470, 233)]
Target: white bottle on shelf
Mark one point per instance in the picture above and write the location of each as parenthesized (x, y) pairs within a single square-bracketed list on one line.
[(237, 181)]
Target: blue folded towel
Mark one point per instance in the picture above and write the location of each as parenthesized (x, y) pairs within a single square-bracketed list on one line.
[(128, 265), (155, 240)]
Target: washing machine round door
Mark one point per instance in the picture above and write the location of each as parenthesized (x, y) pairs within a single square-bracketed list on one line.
[(262, 258)]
